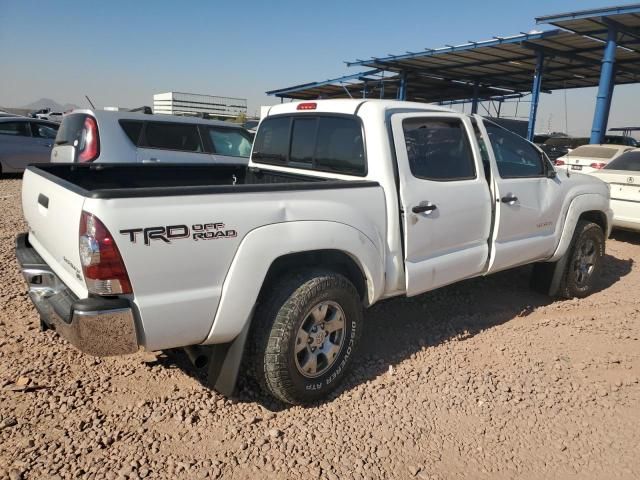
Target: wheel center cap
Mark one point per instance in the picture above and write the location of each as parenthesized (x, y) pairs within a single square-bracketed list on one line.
[(317, 338)]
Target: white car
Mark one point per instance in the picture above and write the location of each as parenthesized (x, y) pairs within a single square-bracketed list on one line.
[(344, 203), (105, 136), (623, 177), (591, 158)]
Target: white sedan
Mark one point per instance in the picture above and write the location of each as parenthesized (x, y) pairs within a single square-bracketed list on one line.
[(590, 158), (623, 176)]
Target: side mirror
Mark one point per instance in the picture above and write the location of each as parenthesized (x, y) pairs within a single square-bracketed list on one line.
[(551, 173)]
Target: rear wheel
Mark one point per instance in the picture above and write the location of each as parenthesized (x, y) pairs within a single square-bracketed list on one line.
[(305, 335)]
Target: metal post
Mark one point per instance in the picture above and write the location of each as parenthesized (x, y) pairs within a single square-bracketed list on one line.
[(402, 90), (535, 95), (611, 86), (605, 88), (474, 100)]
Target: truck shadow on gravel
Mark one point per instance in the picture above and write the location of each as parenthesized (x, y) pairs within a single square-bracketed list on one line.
[(626, 236), (397, 328)]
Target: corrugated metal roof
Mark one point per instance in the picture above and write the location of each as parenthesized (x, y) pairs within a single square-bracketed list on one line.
[(506, 64)]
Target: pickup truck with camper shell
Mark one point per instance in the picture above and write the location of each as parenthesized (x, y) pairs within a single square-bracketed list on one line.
[(266, 268)]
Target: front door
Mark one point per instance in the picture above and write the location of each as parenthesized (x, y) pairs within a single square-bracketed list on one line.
[(528, 201), (445, 199)]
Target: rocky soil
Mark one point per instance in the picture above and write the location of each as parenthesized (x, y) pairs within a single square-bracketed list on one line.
[(484, 379)]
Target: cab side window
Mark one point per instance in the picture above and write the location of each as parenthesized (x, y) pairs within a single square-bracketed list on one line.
[(515, 157), (438, 149)]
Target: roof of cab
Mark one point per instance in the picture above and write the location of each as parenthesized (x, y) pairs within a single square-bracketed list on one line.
[(351, 106)]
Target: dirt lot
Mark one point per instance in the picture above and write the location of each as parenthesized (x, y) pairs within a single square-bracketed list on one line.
[(483, 379)]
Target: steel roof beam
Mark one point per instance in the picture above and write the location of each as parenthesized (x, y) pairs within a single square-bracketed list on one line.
[(585, 14), (459, 48), (633, 32)]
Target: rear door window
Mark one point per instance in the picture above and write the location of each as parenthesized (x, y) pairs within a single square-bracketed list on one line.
[(438, 149), (329, 143), (18, 129), (232, 142), (173, 136)]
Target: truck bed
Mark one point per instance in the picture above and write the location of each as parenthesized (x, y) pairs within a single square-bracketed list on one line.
[(232, 215), (145, 180)]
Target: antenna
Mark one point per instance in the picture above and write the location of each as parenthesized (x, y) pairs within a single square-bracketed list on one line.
[(90, 102)]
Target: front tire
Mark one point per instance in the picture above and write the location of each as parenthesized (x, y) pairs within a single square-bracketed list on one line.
[(585, 260), (305, 335)]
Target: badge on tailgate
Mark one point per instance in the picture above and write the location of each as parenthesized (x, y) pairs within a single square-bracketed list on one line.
[(166, 234)]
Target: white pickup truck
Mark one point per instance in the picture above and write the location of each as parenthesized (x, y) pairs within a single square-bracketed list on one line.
[(344, 203)]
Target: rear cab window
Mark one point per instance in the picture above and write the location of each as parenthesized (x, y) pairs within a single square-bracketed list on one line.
[(328, 143)]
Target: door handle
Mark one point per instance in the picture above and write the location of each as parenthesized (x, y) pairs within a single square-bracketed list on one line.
[(150, 160), (43, 200), (424, 208), (510, 199)]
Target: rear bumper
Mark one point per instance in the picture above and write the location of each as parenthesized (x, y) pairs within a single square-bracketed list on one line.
[(97, 326)]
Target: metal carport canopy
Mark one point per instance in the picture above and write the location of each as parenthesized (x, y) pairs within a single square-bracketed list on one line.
[(571, 61)]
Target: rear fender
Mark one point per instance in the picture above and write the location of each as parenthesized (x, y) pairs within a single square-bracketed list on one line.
[(262, 246)]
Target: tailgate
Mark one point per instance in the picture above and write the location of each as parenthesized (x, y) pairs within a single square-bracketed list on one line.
[(53, 214)]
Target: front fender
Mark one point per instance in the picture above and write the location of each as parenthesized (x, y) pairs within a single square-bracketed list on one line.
[(262, 246), (582, 203)]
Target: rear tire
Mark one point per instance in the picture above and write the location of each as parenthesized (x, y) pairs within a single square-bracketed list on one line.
[(305, 335)]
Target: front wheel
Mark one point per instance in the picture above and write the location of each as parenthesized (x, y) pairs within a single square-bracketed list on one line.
[(585, 259), (305, 335)]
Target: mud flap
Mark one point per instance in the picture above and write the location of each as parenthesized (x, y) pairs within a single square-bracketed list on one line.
[(547, 277), (224, 363)]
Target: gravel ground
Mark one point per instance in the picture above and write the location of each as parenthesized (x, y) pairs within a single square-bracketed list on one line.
[(484, 379)]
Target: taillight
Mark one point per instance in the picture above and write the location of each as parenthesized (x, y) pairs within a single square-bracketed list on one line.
[(598, 165), (559, 162), (89, 147), (104, 270), (307, 106)]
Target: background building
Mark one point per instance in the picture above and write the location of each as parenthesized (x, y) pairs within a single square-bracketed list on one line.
[(177, 103)]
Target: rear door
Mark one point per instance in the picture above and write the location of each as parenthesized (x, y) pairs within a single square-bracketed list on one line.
[(172, 143), (44, 135), (528, 202), (445, 199)]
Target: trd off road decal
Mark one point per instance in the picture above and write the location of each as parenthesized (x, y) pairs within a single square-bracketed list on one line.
[(199, 231)]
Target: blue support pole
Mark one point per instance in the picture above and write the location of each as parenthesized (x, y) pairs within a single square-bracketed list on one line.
[(605, 88), (402, 90), (474, 100), (535, 95)]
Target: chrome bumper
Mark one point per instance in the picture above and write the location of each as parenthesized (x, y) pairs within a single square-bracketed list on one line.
[(97, 326)]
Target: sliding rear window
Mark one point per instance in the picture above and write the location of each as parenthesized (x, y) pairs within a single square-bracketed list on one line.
[(329, 143)]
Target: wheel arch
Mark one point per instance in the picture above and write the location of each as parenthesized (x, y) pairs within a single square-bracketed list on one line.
[(273, 249), (331, 259), (591, 207)]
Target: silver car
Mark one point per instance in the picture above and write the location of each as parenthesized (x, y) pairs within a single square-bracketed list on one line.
[(106, 136), (24, 141)]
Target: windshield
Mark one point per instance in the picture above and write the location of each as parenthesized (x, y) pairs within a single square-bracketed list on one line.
[(593, 152), (626, 161)]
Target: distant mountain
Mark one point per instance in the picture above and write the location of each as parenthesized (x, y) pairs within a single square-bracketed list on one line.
[(52, 104)]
